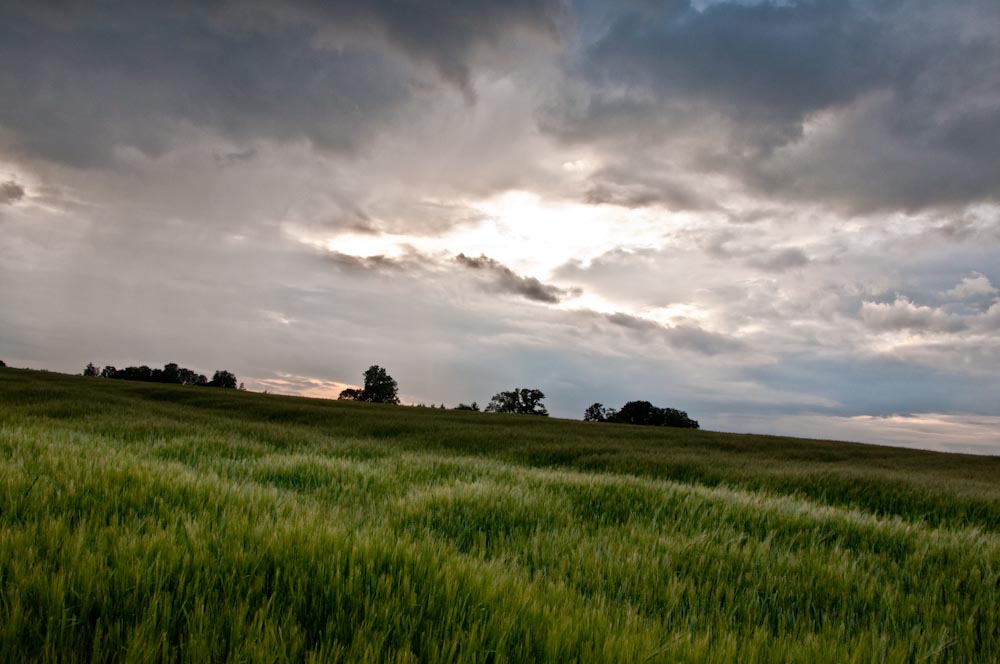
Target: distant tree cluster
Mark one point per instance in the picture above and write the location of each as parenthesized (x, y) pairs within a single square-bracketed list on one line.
[(170, 373), (640, 412), (2, 364), (519, 401), (379, 387)]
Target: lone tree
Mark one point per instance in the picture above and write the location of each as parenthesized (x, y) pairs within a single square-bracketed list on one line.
[(643, 412), (91, 370), (223, 378), (379, 387), (519, 401)]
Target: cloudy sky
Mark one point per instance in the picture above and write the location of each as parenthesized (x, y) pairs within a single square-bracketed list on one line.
[(781, 217)]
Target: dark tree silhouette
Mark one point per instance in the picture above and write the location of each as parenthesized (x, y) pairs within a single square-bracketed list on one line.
[(350, 394), (596, 412), (645, 413), (2, 364), (91, 370), (379, 387), (223, 378), (188, 377), (170, 373), (465, 406), (520, 401)]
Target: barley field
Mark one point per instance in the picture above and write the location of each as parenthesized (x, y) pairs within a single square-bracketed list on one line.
[(143, 522)]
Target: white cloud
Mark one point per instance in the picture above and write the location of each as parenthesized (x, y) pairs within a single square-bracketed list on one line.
[(971, 286)]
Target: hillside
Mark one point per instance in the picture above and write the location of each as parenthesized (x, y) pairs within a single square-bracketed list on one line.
[(168, 522)]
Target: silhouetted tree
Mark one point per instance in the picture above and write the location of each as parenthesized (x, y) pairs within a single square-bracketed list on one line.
[(223, 378), (645, 413), (170, 373), (463, 406), (2, 364), (520, 401), (596, 412), (380, 387), (91, 370)]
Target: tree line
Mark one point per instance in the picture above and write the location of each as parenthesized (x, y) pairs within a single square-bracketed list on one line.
[(380, 387), (170, 373)]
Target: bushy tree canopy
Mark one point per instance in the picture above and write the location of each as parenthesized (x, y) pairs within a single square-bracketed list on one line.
[(379, 387), (643, 412), (596, 412), (170, 373), (519, 401), (223, 378)]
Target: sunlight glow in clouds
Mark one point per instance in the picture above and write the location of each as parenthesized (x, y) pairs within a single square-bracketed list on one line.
[(522, 230)]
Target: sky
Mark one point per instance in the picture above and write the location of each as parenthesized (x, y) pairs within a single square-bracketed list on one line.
[(780, 217)]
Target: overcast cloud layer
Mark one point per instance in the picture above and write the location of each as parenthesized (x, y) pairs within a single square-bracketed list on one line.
[(778, 216)]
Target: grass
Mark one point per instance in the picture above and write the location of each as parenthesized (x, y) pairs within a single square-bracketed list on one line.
[(147, 522)]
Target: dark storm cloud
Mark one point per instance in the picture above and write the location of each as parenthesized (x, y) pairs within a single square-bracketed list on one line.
[(10, 192), (505, 280), (443, 34), (80, 79), (763, 61), (136, 79), (911, 85)]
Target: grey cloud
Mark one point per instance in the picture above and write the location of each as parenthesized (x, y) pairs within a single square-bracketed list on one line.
[(236, 156), (139, 75), (625, 187), (971, 226), (728, 87), (754, 60), (136, 75), (445, 35), (780, 260), (411, 262), (10, 192), (726, 245), (902, 314), (686, 336), (505, 280)]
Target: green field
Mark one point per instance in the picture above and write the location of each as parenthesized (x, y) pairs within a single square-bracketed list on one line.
[(143, 522)]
